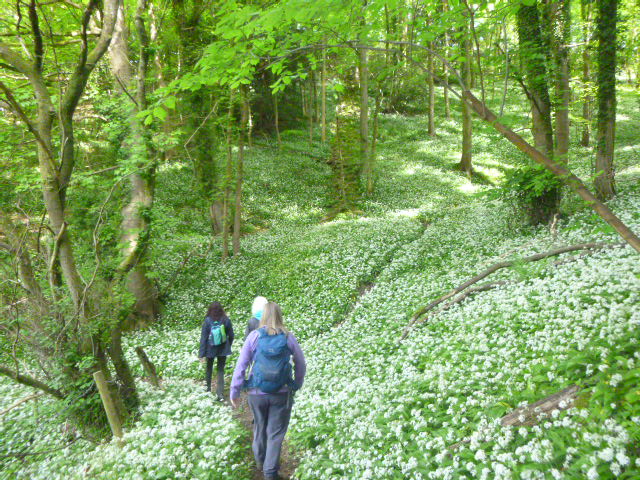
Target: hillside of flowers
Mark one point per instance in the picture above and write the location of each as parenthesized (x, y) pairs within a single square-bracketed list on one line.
[(375, 406)]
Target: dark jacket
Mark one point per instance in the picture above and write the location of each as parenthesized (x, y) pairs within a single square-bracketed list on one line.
[(211, 351), (251, 326)]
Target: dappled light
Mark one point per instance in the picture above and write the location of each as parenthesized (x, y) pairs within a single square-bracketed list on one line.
[(403, 234)]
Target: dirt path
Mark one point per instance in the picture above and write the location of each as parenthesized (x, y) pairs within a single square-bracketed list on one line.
[(288, 462)]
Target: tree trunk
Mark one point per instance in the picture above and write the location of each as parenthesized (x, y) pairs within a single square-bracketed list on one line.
[(431, 128), (276, 119), (506, 70), (135, 228), (121, 366), (465, 164), (445, 73), (374, 142), (585, 12), (606, 98), (237, 218), (365, 158), (532, 52), (227, 181), (323, 94), (557, 19), (311, 107)]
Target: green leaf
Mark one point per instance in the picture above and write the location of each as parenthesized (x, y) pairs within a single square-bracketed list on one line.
[(170, 102), (160, 113)]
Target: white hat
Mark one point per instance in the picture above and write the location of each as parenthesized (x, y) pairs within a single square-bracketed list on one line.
[(258, 305)]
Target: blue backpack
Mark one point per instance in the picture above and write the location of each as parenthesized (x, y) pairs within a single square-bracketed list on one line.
[(271, 368)]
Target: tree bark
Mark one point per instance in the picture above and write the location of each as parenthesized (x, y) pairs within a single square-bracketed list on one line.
[(227, 182), (585, 12), (123, 371), (606, 98), (365, 158), (148, 366), (323, 94), (558, 20), (135, 228), (532, 52), (465, 164), (237, 218), (276, 119), (529, 414), (431, 128), (445, 74)]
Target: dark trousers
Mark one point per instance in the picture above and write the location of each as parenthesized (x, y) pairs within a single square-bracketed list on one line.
[(271, 414), (220, 380)]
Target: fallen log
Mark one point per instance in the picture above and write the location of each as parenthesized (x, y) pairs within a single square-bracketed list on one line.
[(419, 317), (529, 415), (148, 366)]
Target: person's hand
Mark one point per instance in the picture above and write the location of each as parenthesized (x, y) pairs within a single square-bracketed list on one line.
[(235, 402), (201, 359)]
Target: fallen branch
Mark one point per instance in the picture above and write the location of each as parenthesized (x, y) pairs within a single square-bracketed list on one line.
[(31, 382), (148, 366), (529, 415), (419, 317), (20, 402)]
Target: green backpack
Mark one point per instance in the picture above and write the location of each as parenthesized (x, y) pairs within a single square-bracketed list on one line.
[(218, 334)]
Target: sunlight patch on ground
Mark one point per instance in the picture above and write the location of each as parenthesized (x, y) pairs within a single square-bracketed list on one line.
[(469, 188), (629, 148), (407, 212)]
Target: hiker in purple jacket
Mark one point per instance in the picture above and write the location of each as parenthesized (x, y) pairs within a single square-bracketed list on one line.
[(210, 352), (271, 344)]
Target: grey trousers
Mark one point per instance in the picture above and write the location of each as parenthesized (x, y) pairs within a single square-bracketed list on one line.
[(220, 380), (271, 414)]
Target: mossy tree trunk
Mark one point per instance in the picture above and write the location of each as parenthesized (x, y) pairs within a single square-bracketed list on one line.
[(557, 27), (585, 13), (606, 97), (533, 57), (135, 227)]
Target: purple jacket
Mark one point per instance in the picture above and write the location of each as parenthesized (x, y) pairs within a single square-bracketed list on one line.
[(246, 358)]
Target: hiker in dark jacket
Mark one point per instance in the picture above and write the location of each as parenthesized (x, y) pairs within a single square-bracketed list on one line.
[(271, 411), (256, 315), (209, 351)]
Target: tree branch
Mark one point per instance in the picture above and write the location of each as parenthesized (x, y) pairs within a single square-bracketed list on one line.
[(78, 81), (23, 116), (418, 317), (31, 382)]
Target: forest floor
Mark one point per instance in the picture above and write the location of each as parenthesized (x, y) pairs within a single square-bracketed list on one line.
[(371, 407)]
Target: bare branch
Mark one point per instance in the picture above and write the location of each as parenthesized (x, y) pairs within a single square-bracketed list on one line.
[(20, 112), (31, 382)]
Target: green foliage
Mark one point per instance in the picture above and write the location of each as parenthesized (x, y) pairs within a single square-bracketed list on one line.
[(531, 190)]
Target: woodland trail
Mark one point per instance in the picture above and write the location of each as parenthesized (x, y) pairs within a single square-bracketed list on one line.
[(288, 461)]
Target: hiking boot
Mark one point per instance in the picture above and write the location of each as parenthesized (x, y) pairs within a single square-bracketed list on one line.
[(272, 477)]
